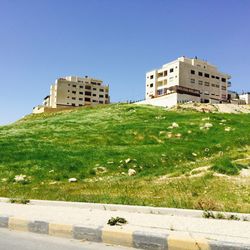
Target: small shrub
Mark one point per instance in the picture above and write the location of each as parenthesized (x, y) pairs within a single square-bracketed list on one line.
[(19, 200), (206, 204), (116, 221), (208, 215), (226, 166), (220, 216), (233, 217)]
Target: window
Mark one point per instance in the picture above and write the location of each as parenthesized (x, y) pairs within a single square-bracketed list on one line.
[(213, 85), (74, 86), (106, 96), (94, 100), (192, 72), (165, 73), (94, 94), (87, 93), (101, 96), (223, 88), (87, 99), (200, 74), (217, 85), (160, 74), (73, 104), (94, 88), (80, 105), (217, 77), (93, 83), (87, 87), (212, 76), (81, 87), (100, 101), (223, 79), (80, 99), (206, 75), (151, 85), (200, 82), (74, 92), (68, 84), (81, 93), (73, 98), (171, 70), (207, 84), (160, 91), (152, 77), (101, 90), (192, 80), (68, 90)]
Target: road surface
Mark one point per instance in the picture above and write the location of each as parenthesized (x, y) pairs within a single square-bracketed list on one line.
[(12, 240)]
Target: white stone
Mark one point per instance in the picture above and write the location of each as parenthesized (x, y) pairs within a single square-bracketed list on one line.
[(208, 125), (72, 180), (131, 172), (20, 178), (175, 125), (127, 160)]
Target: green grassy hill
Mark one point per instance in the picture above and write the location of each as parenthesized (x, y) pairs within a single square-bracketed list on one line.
[(177, 156)]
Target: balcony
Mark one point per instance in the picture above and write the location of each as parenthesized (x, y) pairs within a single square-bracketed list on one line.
[(178, 89), (185, 90)]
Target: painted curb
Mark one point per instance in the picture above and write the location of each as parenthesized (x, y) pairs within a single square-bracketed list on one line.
[(119, 236)]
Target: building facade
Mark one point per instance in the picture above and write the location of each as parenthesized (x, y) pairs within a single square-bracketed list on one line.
[(73, 91), (245, 97), (185, 80)]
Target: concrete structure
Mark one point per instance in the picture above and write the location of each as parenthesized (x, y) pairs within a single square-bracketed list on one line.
[(73, 91), (245, 97), (186, 80)]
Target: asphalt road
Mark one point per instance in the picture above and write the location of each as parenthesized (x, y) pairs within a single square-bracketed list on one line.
[(12, 240)]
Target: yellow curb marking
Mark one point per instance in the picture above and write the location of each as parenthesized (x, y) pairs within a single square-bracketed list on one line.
[(186, 243), (117, 236), (18, 224), (61, 230)]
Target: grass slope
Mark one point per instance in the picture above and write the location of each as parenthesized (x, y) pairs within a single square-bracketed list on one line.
[(50, 148)]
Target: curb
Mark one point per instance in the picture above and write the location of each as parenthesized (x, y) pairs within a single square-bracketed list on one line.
[(119, 236), (129, 208)]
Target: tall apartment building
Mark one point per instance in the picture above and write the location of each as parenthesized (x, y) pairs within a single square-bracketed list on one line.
[(185, 80), (73, 91)]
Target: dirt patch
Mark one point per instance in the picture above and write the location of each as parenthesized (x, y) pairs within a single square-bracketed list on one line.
[(214, 108)]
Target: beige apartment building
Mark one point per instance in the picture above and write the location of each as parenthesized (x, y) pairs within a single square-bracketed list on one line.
[(185, 80), (74, 91)]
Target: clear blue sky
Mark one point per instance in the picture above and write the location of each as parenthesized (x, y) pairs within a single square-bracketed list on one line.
[(115, 40)]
